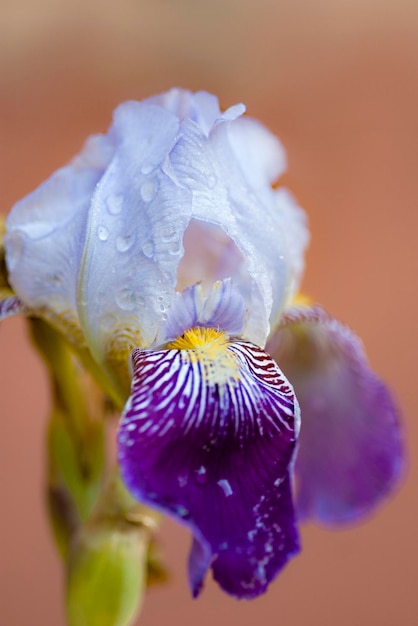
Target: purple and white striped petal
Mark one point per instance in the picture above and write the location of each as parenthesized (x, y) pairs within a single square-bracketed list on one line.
[(350, 450), (207, 436)]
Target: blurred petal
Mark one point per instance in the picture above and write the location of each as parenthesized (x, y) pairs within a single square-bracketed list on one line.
[(350, 450), (295, 226), (207, 436)]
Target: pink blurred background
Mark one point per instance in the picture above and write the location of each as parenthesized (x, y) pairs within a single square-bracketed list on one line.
[(337, 81)]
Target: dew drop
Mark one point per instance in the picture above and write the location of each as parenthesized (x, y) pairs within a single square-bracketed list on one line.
[(102, 233), (148, 249), (201, 477), (169, 233), (114, 204), (174, 248), (55, 279), (147, 169), (125, 299), (148, 190), (181, 511), (182, 480), (226, 487), (123, 243)]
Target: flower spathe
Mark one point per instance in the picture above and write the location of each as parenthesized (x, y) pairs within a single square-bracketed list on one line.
[(165, 240)]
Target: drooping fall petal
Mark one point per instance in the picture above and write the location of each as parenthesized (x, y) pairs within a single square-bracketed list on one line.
[(350, 448), (207, 436)]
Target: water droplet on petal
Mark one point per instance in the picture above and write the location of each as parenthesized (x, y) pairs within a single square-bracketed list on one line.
[(201, 476), (125, 299), (226, 487), (55, 279), (123, 243), (169, 233), (114, 204), (148, 190), (148, 249), (147, 169), (182, 480), (181, 511), (174, 248), (102, 233)]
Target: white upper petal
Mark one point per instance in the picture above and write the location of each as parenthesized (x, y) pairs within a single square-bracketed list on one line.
[(295, 228), (165, 172), (200, 107), (105, 235), (45, 233), (134, 233), (259, 153)]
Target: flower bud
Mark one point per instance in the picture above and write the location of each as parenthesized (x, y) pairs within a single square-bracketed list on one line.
[(106, 575)]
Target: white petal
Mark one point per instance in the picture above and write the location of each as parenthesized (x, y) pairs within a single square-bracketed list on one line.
[(45, 234), (222, 195), (134, 233), (295, 228), (260, 154), (201, 107)]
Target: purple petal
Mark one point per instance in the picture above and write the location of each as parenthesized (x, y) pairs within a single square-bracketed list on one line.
[(350, 448), (207, 436), (12, 305)]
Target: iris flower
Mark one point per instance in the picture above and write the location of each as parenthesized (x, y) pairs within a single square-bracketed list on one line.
[(166, 252)]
